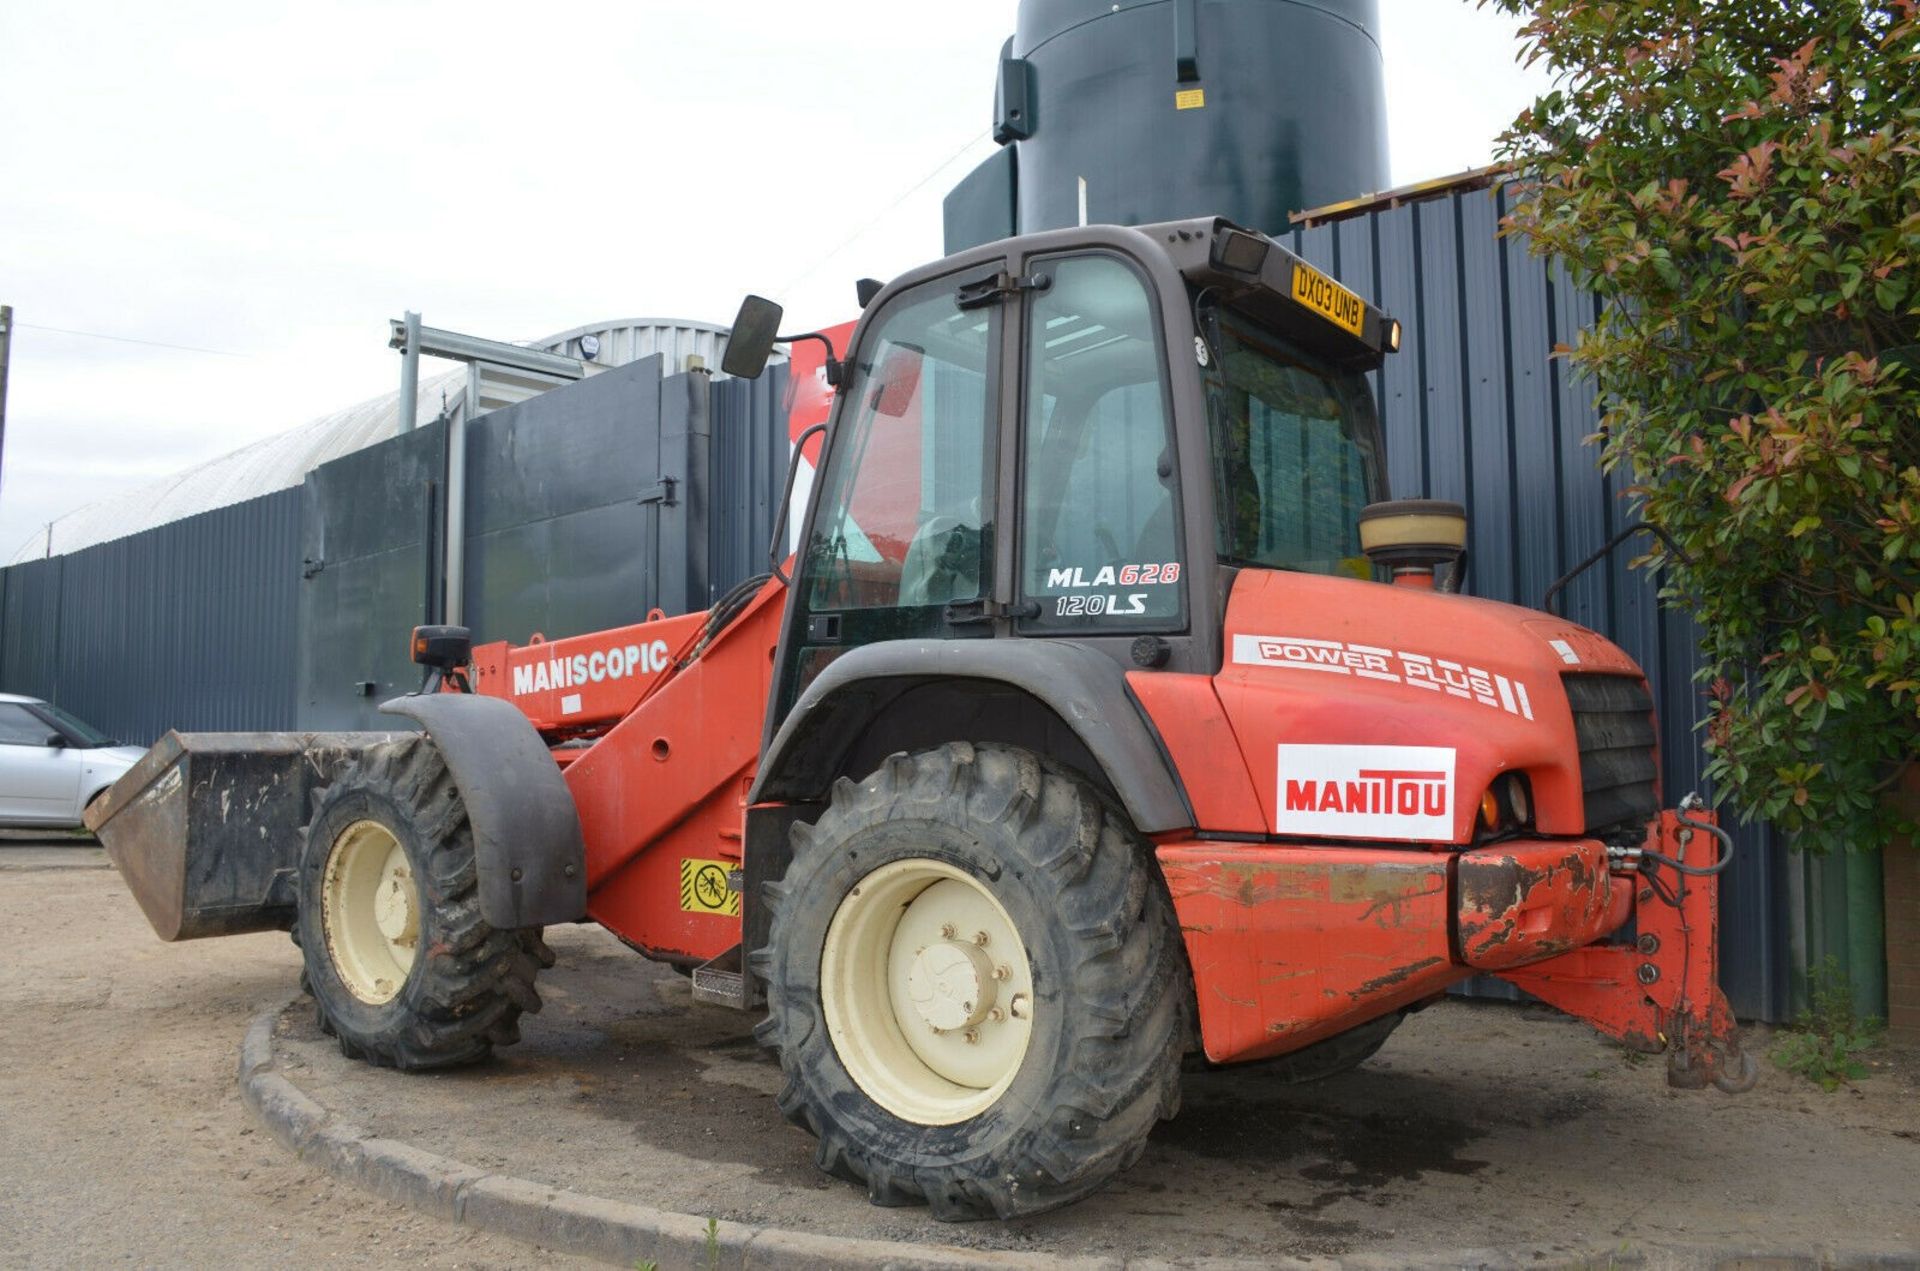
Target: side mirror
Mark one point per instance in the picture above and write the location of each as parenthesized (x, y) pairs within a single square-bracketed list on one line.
[(755, 328), (56, 741), (899, 381)]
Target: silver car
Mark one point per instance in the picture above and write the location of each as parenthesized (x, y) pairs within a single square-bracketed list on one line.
[(51, 764)]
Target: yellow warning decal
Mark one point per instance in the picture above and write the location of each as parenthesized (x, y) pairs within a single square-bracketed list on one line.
[(1328, 298), (704, 890), (1190, 99)]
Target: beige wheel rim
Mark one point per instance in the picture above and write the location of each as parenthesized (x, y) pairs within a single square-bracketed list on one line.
[(370, 908), (927, 992)]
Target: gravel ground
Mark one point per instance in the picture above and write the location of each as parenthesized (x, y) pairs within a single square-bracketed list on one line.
[(1479, 1126), (122, 1137)]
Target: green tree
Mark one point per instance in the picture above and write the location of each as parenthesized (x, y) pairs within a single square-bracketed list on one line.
[(1739, 180)]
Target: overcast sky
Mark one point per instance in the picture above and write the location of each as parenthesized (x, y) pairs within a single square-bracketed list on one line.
[(272, 181)]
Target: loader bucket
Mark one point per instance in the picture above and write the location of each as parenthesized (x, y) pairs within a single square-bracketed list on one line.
[(206, 828)]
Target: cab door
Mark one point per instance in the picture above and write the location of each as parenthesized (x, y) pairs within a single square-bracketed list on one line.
[(1100, 543), (900, 544)]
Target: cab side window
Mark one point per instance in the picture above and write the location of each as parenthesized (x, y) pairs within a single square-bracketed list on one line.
[(907, 515), (1100, 542)]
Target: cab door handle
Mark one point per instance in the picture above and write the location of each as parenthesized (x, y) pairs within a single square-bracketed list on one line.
[(960, 613)]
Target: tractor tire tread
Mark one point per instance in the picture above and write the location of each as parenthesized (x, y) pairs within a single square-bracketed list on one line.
[(1125, 995), (471, 983)]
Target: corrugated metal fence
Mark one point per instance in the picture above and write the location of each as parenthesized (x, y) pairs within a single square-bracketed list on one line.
[(190, 625), (754, 458), (1477, 409)]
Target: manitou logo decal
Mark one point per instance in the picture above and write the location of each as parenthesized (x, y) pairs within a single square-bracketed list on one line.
[(1366, 792), (589, 668), (1415, 670)]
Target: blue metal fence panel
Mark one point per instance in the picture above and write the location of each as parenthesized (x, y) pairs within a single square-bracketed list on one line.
[(1487, 394), (189, 625), (1477, 408), (30, 628), (749, 468)]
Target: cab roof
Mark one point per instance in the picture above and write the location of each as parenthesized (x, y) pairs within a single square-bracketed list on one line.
[(1239, 267), (1256, 274)]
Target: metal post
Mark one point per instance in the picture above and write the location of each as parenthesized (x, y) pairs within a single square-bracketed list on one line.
[(6, 355), (410, 373), (454, 552)]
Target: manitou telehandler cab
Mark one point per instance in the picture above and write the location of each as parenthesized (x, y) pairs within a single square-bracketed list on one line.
[(1108, 712)]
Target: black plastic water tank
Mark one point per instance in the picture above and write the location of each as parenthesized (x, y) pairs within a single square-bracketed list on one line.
[(1250, 109)]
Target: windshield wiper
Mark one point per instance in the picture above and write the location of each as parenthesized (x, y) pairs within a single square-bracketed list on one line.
[(1243, 563)]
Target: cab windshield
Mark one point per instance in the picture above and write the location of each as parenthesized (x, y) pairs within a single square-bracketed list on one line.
[(1296, 452)]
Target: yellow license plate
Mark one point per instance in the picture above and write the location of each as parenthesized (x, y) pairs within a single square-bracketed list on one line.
[(1328, 299)]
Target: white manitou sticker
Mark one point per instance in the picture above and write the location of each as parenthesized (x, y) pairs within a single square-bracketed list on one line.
[(1366, 792)]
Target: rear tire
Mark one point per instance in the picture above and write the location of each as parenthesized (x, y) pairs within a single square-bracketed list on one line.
[(403, 969), (1034, 1111)]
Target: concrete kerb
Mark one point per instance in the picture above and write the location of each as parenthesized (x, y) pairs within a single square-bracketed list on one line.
[(628, 1234), (556, 1218)]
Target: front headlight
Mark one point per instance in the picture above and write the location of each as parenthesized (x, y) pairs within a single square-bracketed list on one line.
[(1519, 799), (1506, 805)]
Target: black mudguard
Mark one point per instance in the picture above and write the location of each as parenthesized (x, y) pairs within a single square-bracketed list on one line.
[(527, 843), (1083, 687)]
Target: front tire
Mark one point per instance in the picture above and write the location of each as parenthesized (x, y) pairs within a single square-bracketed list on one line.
[(975, 984), (403, 969)]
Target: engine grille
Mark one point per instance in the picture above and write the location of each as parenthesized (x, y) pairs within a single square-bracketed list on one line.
[(1619, 771)]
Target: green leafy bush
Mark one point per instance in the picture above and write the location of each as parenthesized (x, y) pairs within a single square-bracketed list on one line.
[(1826, 1041), (1740, 181)]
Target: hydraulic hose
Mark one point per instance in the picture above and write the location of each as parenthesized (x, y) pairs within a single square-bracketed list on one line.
[(725, 610), (1692, 803)]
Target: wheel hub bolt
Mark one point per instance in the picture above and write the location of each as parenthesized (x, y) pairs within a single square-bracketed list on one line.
[(1002, 972), (972, 1036), (996, 1015), (393, 911), (980, 938), (947, 931), (951, 985)]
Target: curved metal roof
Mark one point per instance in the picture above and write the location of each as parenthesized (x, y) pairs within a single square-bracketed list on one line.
[(282, 461), (273, 463)]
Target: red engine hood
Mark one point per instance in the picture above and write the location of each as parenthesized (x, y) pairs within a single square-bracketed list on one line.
[(1373, 712)]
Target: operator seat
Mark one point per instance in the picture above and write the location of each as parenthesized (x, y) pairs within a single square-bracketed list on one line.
[(942, 563)]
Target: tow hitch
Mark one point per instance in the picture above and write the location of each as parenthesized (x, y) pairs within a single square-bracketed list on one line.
[(1661, 992)]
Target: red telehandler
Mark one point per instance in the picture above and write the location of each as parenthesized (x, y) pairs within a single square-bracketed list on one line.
[(1109, 712)]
